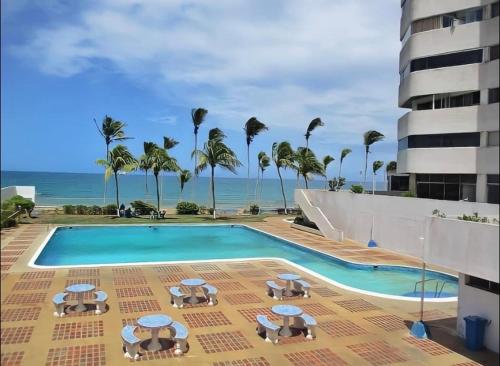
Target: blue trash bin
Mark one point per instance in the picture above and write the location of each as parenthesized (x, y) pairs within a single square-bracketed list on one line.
[(474, 332)]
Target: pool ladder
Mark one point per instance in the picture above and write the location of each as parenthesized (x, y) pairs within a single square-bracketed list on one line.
[(438, 290)]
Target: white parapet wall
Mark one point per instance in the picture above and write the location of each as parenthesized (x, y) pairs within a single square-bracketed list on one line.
[(25, 191), (474, 301)]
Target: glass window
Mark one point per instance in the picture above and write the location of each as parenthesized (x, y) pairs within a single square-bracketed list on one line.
[(494, 10), (494, 53), (471, 139), (493, 96), (452, 59), (493, 189), (452, 187), (452, 192), (493, 138), (403, 144), (482, 284), (426, 24)]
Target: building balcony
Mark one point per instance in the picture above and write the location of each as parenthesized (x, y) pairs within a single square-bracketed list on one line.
[(448, 80), (446, 40), (478, 118), (451, 160), (419, 9)]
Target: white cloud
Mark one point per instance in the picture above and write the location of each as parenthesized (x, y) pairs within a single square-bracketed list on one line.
[(283, 61)]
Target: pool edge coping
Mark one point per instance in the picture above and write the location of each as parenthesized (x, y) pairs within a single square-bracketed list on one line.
[(32, 264)]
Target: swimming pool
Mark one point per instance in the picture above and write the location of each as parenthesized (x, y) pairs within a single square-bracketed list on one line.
[(112, 245)]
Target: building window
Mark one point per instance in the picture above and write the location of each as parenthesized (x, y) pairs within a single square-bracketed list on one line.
[(494, 53), (426, 24), (456, 100), (494, 9), (493, 95), (493, 188), (448, 60), (471, 139), (452, 187), (399, 183), (493, 138), (482, 284)]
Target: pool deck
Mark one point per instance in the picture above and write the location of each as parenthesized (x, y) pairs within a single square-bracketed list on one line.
[(353, 329)]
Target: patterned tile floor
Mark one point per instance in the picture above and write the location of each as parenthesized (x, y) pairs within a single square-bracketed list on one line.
[(353, 329)]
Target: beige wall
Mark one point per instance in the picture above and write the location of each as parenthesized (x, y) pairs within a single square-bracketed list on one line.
[(464, 119), (448, 80), (452, 160)]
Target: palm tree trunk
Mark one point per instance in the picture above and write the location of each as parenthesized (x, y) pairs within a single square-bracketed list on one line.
[(282, 190), (248, 174), (157, 192), (366, 164), (117, 194), (146, 175), (340, 169), (195, 178), (305, 180), (261, 184), (105, 183), (257, 187), (213, 191)]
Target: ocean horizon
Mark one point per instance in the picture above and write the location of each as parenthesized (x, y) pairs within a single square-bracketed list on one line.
[(59, 188)]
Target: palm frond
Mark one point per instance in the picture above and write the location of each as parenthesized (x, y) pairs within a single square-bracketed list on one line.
[(377, 164), (312, 126), (169, 143), (198, 116), (327, 160), (252, 128), (344, 153), (372, 136), (216, 134), (391, 166)]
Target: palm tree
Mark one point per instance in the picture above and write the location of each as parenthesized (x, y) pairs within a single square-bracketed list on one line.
[(312, 125), (145, 159), (252, 128), (326, 161), (161, 161), (111, 130), (169, 143), (377, 164), (120, 160), (184, 177), (283, 156), (263, 163), (308, 165), (197, 116), (369, 138), (216, 153), (391, 166), (343, 154)]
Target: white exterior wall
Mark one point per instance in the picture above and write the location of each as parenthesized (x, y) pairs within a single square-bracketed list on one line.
[(473, 301), (25, 191), (399, 221), (451, 160), (463, 119)]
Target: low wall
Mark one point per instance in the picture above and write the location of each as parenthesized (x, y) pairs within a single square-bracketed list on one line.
[(399, 222), (25, 191), (473, 301)]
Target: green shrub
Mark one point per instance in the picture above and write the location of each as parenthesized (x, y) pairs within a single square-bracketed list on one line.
[(82, 210), (69, 209), (19, 202), (474, 218), (142, 208), (110, 209), (187, 208), (357, 188), (438, 213), (94, 210), (409, 194), (335, 184), (254, 209), (6, 220)]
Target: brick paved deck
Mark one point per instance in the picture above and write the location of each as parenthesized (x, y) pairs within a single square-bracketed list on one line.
[(353, 329)]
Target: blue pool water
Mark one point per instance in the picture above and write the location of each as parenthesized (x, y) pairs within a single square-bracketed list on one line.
[(87, 245)]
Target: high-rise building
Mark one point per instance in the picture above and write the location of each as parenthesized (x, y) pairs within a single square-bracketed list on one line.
[(448, 142)]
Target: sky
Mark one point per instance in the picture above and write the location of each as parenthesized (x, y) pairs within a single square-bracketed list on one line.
[(148, 63)]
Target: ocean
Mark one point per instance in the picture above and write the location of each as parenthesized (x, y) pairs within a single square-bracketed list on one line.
[(57, 189)]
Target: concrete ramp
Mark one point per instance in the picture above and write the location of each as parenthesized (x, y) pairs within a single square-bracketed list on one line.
[(314, 214)]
